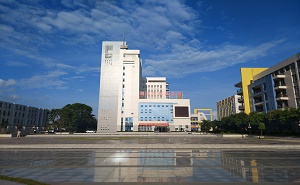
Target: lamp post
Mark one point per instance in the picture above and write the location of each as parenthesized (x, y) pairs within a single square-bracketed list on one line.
[(249, 127)]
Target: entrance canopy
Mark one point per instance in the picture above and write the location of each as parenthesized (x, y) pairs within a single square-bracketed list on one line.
[(154, 124)]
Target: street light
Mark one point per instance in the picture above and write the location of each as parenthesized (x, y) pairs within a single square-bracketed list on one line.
[(249, 127)]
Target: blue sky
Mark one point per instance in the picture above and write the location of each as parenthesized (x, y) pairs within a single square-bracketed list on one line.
[(50, 50)]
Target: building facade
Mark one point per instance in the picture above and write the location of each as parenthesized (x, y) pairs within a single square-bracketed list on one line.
[(197, 118), (247, 75), (265, 89), (26, 118), (129, 102), (276, 87), (229, 106)]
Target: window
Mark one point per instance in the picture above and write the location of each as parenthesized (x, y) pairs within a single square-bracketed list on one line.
[(296, 89), (292, 65), (287, 68), (294, 77)]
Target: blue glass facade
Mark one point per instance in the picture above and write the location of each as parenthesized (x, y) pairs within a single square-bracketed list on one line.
[(156, 112)]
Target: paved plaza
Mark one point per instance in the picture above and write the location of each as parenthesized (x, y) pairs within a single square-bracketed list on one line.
[(164, 158)]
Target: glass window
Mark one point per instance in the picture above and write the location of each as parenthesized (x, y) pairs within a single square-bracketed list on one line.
[(292, 65)]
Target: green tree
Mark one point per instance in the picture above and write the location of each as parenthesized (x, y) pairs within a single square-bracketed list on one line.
[(261, 127), (206, 126), (77, 117), (54, 118)]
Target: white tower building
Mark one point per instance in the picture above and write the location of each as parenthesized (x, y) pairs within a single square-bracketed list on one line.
[(128, 102), (119, 87)]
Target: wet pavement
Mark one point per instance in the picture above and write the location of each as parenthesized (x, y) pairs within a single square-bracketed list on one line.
[(182, 159)]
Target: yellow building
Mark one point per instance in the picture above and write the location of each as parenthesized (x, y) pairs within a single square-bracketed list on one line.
[(247, 75)]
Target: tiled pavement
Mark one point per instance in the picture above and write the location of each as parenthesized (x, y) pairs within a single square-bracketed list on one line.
[(161, 159)]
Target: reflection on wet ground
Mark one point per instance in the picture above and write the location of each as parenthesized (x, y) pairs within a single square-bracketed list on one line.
[(151, 165), (172, 139)]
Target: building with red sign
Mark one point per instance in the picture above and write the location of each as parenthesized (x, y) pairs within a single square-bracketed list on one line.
[(130, 102)]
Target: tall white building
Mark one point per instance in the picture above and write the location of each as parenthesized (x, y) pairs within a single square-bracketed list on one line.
[(125, 96), (120, 78)]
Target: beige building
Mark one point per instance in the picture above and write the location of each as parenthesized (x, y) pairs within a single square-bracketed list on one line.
[(229, 106)]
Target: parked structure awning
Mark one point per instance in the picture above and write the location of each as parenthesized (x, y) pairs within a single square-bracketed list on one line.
[(155, 124)]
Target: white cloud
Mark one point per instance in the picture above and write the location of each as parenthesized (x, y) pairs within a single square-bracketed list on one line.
[(153, 21), (16, 64), (14, 97), (79, 90), (77, 77), (215, 115), (85, 68), (155, 26), (50, 80), (9, 82), (185, 60)]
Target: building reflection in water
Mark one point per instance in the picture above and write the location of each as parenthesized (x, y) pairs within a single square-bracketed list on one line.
[(153, 165), (262, 166), (200, 166)]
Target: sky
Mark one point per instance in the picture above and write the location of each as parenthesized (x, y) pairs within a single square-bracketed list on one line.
[(50, 50)]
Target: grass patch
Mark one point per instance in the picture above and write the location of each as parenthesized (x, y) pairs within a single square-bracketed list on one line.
[(22, 180)]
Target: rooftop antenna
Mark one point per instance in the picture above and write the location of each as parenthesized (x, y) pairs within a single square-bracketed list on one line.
[(124, 46), (123, 37)]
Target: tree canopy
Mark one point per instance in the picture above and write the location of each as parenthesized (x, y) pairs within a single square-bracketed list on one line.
[(274, 122), (73, 117)]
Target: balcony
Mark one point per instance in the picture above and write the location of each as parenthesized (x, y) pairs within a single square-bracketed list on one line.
[(282, 97), (278, 77), (240, 100), (258, 103), (239, 92), (241, 107), (239, 85), (280, 87)]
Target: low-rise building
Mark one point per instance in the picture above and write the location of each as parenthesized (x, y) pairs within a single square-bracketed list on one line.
[(198, 116), (21, 117)]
